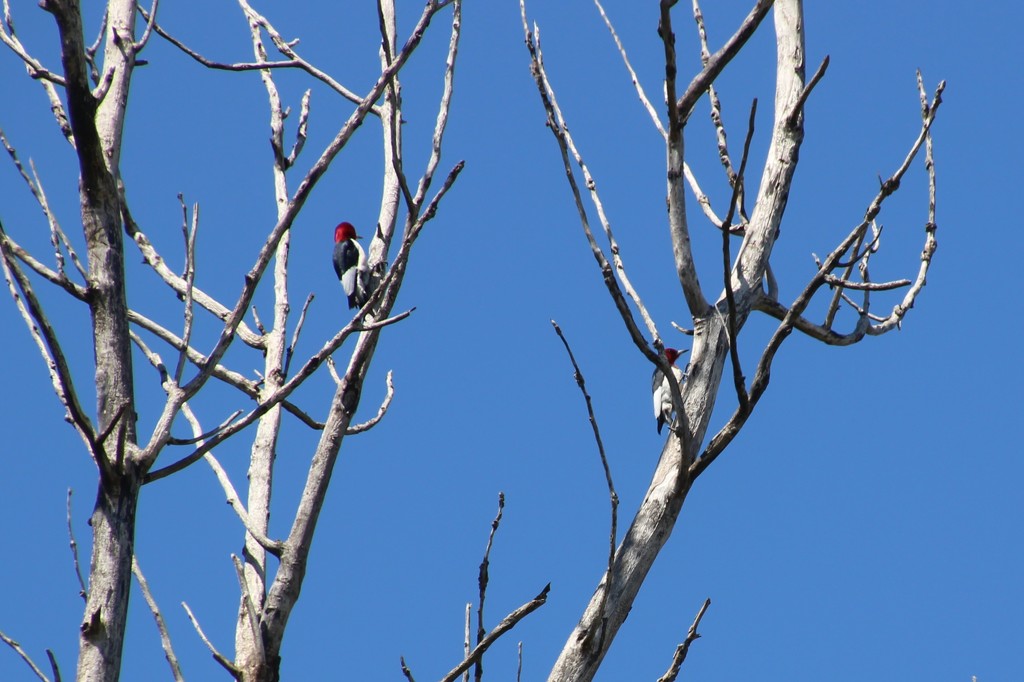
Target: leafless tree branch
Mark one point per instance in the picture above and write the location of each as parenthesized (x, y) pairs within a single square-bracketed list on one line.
[(293, 61), (737, 371), (613, 497), (792, 316), (405, 670), (190, 281), (24, 656), (290, 353), (250, 608), (557, 125), (682, 649), (720, 59), (632, 74), (482, 580), (217, 656), (161, 626), (46, 340), (74, 552), (501, 628), (385, 404), (678, 228)]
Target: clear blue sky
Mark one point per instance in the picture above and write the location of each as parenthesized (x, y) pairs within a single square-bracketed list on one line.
[(865, 525)]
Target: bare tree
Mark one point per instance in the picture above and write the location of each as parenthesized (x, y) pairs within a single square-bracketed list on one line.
[(748, 285), (88, 97)]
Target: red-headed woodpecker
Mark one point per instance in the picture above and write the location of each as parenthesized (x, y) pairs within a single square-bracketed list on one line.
[(350, 265), (662, 392)]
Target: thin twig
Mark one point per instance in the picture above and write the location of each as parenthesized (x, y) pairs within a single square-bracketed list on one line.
[(682, 649), (190, 280), (482, 580), (798, 108), (720, 59), (161, 626), (295, 335), (294, 61), (53, 665), (467, 642), (507, 623), (46, 340), (557, 125), (24, 656), (217, 656), (250, 609), (867, 286), (405, 669), (632, 74), (737, 371), (792, 318), (613, 497), (209, 434), (686, 269), (83, 592)]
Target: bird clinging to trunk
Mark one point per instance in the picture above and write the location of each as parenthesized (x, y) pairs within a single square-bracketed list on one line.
[(350, 265), (662, 391)]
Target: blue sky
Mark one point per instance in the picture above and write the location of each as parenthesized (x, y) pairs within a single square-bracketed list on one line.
[(866, 524)]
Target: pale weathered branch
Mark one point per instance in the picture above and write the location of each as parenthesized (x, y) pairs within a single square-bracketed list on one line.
[(294, 61), (721, 138), (792, 316), (49, 346), (178, 283), (217, 656), (24, 656), (290, 352), (279, 395), (287, 216), (47, 78), (83, 592), (632, 74), (587, 644), (301, 131), (467, 645), (250, 608), (190, 281), (35, 186), (33, 66), (867, 286), (557, 126), (682, 251), (444, 105), (161, 626)]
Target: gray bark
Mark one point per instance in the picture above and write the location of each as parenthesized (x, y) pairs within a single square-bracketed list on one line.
[(587, 645), (97, 130)]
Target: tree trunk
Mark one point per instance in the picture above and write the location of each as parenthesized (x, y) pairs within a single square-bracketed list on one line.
[(110, 574)]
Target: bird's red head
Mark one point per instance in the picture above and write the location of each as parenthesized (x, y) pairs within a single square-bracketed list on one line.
[(344, 231), (671, 354)]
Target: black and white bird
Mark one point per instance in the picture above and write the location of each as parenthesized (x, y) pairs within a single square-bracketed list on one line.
[(350, 265), (662, 391)]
